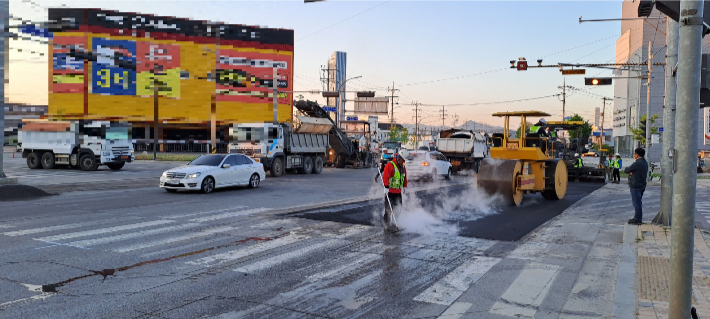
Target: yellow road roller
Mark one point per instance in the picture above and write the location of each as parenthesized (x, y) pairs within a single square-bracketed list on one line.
[(522, 165)]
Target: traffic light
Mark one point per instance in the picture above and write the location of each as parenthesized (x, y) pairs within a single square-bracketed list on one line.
[(522, 65), (597, 81), (366, 94)]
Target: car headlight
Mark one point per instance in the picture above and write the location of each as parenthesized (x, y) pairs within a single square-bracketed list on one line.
[(165, 174), (194, 175), (107, 153)]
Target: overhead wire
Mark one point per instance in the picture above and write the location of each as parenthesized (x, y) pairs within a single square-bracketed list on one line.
[(341, 21)]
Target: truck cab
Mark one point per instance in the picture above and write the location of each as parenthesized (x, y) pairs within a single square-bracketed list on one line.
[(260, 141)]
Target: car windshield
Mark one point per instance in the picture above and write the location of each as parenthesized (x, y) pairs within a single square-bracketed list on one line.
[(390, 145), (209, 160), (118, 133), (416, 156)]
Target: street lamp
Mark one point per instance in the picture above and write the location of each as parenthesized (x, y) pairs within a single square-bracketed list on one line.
[(337, 93)]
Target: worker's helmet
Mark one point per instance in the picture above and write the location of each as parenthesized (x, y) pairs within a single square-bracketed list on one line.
[(542, 121), (576, 154), (404, 153), (397, 157), (617, 154)]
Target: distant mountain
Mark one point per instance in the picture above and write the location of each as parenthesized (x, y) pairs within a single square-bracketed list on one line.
[(469, 125)]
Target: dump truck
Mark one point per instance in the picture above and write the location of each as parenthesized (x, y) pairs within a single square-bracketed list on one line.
[(464, 149), (280, 147), (83, 144), (341, 146), (523, 165)]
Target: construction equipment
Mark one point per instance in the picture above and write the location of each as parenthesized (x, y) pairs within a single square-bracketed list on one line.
[(360, 136), (341, 146), (522, 165), (464, 149)]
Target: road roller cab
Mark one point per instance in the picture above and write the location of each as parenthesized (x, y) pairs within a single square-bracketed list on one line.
[(522, 165)]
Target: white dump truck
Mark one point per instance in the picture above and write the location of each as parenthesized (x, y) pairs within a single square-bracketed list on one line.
[(464, 149), (280, 148), (83, 144)]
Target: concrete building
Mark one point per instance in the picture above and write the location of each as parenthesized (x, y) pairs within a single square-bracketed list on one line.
[(336, 77), (630, 91)]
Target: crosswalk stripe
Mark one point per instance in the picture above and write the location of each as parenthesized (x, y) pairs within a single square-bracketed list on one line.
[(282, 258), (173, 239), (104, 230), (246, 251), (527, 292), (203, 213), (456, 311), (54, 228), (446, 290), (229, 215), (115, 238)]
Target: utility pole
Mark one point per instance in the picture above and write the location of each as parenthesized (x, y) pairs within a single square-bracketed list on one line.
[(5, 68), (392, 97), (213, 107), (156, 121), (416, 123), (275, 86), (564, 95), (601, 132), (685, 158), (648, 101), (443, 116), (664, 216)]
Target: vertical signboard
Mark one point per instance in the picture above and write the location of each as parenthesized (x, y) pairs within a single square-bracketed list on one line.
[(67, 71), (706, 130)]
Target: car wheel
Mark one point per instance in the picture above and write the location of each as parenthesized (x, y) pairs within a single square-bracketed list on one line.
[(48, 160), (307, 165), (317, 165), (254, 181), (277, 167), (116, 166), (170, 190), (448, 174), (207, 185), (87, 162), (33, 160)]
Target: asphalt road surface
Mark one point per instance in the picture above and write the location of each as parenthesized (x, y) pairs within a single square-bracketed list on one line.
[(140, 252)]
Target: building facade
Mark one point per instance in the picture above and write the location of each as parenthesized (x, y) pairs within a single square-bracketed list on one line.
[(630, 87)]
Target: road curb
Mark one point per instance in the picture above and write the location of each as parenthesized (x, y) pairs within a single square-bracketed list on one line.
[(625, 295)]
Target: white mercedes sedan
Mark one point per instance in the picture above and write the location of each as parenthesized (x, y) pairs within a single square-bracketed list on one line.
[(208, 172)]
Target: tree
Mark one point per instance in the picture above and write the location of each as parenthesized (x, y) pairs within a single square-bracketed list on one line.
[(639, 133), (399, 134), (527, 126), (586, 128), (605, 146), (300, 97)]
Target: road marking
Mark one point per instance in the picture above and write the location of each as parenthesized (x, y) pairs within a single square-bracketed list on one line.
[(104, 230), (6, 226), (455, 283), (282, 258), (53, 228), (246, 251), (456, 310), (229, 215), (527, 292), (115, 238), (173, 239), (529, 250), (34, 288), (202, 213)]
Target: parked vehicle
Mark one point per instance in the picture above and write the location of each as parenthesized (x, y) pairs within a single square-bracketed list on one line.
[(429, 165), (212, 171), (84, 144), (279, 148), (465, 149), (389, 148)]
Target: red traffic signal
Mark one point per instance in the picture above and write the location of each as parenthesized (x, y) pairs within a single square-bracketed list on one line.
[(597, 81), (522, 65)]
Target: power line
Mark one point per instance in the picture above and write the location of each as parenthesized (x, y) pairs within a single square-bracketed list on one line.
[(497, 102), (455, 78), (341, 21), (577, 47)]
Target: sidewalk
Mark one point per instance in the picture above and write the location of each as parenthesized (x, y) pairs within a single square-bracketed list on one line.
[(654, 272)]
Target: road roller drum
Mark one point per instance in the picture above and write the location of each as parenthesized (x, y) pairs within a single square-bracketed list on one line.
[(498, 177)]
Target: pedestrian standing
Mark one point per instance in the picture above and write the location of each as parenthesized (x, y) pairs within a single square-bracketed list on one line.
[(617, 167), (394, 179), (637, 183)]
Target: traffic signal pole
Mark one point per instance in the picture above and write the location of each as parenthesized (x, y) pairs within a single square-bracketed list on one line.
[(664, 216), (686, 152), (5, 21)]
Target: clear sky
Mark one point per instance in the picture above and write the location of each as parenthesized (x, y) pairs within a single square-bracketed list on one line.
[(436, 52)]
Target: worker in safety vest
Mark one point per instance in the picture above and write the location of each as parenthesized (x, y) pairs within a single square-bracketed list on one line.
[(609, 168), (616, 165), (539, 128), (577, 161), (394, 179)]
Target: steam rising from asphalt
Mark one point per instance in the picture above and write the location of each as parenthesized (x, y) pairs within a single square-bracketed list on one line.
[(439, 216)]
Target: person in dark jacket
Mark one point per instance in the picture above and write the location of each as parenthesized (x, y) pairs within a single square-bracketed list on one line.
[(638, 172)]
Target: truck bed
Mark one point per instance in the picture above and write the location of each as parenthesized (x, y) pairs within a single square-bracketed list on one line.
[(308, 143)]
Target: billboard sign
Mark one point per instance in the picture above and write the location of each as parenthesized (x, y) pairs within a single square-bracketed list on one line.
[(372, 105)]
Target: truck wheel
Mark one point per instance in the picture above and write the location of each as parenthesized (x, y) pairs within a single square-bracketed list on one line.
[(317, 165), (277, 167), (33, 160), (48, 160), (307, 165), (116, 166), (341, 161), (87, 162)]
